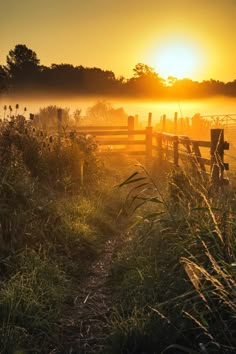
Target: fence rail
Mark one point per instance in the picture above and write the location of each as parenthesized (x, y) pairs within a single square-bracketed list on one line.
[(163, 146)]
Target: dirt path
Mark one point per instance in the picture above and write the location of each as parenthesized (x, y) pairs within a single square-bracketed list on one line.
[(85, 327)]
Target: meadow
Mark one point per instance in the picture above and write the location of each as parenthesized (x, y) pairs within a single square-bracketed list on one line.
[(166, 240)]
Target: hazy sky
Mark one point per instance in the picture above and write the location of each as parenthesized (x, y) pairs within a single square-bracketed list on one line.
[(117, 34)]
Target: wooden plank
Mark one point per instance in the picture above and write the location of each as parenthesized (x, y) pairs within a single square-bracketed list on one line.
[(121, 142), (168, 137), (202, 143), (189, 141), (204, 161), (111, 133), (99, 127), (126, 152), (148, 146), (176, 151), (159, 148)]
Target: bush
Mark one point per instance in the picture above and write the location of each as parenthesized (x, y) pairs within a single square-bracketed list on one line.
[(52, 160), (47, 119), (102, 113)]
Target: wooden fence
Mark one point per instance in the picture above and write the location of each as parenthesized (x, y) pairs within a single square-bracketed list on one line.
[(114, 140), (177, 148), (161, 146), (164, 146)]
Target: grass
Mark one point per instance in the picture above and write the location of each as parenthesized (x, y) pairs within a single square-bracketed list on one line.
[(52, 229), (175, 274), (31, 300), (38, 278)]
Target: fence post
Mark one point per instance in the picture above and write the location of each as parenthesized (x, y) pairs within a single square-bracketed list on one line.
[(217, 157), (148, 147), (163, 122), (175, 122), (159, 148), (149, 119), (82, 172), (130, 127), (176, 151), (136, 122), (181, 125)]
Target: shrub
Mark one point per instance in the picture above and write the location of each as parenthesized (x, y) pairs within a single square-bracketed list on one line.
[(102, 113), (47, 119), (53, 160)]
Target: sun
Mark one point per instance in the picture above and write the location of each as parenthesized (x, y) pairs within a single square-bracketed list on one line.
[(180, 60)]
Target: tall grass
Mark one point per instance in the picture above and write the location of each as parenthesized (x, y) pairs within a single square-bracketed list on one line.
[(176, 272), (31, 300), (52, 226)]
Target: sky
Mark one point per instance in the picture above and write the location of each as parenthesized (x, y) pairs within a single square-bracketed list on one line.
[(194, 38)]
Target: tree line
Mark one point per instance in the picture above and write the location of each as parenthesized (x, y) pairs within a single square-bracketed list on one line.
[(23, 73)]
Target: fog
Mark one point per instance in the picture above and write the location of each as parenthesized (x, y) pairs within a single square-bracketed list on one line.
[(187, 108)]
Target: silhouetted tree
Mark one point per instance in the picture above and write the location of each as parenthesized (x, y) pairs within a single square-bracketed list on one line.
[(146, 82), (212, 87), (143, 70), (22, 65), (23, 72), (3, 79)]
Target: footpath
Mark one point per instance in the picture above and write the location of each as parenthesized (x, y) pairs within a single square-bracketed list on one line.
[(85, 324)]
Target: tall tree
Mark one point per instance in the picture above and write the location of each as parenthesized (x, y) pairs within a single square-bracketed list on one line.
[(3, 79), (146, 82), (22, 65), (141, 70)]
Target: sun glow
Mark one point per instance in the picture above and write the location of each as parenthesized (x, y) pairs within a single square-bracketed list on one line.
[(180, 60)]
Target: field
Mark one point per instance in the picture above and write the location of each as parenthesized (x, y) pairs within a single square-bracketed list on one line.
[(102, 255)]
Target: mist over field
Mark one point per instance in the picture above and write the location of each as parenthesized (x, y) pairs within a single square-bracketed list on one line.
[(185, 108)]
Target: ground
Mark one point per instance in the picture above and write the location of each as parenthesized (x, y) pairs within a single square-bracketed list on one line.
[(85, 323)]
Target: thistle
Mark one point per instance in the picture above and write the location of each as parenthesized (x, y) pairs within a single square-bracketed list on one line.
[(10, 110), (17, 107), (5, 109)]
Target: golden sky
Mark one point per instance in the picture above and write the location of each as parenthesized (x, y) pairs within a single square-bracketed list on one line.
[(118, 34)]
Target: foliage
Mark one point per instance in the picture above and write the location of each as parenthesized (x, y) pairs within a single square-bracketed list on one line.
[(3, 79), (55, 159), (22, 65), (47, 119)]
